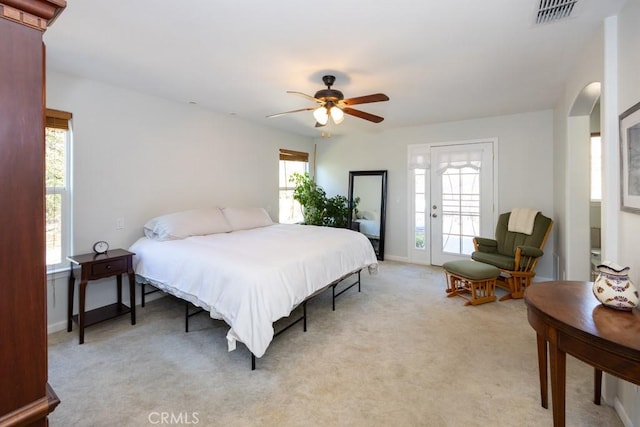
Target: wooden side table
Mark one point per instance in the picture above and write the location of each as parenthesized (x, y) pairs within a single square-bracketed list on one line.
[(568, 319), (115, 262)]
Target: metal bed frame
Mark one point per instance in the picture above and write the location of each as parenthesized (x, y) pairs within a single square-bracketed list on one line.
[(302, 318)]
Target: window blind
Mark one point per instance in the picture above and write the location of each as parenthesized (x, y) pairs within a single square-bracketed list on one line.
[(293, 156), (57, 119)]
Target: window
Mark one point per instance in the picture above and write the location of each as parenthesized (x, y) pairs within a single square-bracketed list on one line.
[(419, 207), (57, 182), (596, 168), (290, 211)]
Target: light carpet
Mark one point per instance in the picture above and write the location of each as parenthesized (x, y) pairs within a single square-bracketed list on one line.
[(398, 353)]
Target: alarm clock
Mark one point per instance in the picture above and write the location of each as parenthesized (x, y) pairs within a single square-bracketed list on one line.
[(100, 247)]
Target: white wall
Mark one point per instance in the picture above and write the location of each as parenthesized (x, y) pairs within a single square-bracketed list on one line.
[(629, 224), (571, 167), (525, 167), (137, 156), (621, 241)]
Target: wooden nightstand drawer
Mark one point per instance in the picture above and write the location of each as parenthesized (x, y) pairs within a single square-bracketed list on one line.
[(108, 267)]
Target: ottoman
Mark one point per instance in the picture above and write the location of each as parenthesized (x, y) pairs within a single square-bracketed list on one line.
[(472, 280)]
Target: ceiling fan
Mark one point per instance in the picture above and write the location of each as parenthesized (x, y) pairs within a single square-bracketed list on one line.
[(331, 104)]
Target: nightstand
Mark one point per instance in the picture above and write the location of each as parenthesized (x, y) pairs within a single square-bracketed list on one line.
[(115, 262)]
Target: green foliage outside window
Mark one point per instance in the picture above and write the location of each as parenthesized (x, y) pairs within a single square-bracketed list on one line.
[(55, 140)]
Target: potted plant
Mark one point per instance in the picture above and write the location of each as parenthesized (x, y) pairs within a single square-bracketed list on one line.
[(317, 209), (311, 197)]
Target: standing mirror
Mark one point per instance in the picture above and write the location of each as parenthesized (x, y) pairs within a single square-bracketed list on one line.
[(369, 215)]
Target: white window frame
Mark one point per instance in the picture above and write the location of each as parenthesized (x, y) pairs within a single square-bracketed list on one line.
[(66, 207), (596, 167), (289, 187)]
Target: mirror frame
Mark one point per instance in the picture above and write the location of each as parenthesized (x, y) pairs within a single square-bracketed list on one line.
[(383, 204)]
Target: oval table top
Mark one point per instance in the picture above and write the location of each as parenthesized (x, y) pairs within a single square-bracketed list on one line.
[(571, 306)]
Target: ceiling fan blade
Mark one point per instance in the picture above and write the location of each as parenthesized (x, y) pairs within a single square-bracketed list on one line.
[(376, 97), (363, 115), (304, 95), (292, 111)]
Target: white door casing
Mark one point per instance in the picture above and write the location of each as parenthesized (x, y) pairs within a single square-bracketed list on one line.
[(452, 199)]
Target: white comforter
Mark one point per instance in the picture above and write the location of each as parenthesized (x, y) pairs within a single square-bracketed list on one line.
[(370, 227), (252, 278)]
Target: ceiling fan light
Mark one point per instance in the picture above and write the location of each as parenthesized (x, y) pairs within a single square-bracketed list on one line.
[(337, 115), (321, 115)]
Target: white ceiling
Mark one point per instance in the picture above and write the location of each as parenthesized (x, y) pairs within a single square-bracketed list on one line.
[(437, 60)]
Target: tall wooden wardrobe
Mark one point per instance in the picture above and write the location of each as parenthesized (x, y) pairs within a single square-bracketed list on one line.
[(25, 396)]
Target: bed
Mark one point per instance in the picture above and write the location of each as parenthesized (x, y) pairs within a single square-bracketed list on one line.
[(244, 269), (369, 224)]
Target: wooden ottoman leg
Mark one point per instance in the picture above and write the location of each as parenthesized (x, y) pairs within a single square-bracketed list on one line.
[(450, 283), (482, 291), (453, 285)]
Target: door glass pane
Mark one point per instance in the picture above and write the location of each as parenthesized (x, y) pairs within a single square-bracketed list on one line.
[(460, 209), (419, 230), (419, 209), (450, 243)]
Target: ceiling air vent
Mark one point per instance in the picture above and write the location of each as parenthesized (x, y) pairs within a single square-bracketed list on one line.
[(554, 10)]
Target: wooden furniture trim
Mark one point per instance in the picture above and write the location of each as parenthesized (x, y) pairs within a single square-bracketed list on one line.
[(32, 412), (26, 398), (567, 317), (38, 14)]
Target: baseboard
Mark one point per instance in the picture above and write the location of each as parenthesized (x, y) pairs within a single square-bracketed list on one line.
[(396, 258), (57, 327), (619, 407)]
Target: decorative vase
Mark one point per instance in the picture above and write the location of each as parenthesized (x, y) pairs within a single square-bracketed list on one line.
[(613, 288)]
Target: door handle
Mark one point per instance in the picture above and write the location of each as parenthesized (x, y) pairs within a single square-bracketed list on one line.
[(434, 215)]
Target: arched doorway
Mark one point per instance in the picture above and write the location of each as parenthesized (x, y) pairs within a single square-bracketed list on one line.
[(578, 208)]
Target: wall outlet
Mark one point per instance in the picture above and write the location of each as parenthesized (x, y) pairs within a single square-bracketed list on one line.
[(119, 223)]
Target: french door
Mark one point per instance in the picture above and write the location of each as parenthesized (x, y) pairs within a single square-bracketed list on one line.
[(452, 201)]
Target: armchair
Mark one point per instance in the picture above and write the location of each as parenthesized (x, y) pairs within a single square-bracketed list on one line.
[(515, 254)]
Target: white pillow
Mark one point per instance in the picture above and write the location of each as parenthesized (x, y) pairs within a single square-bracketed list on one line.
[(179, 225), (247, 218)]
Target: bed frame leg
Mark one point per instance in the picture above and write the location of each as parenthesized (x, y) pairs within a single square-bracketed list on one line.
[(333, 297), (304, 316), (253, 362), (186, 317), (333, 290)]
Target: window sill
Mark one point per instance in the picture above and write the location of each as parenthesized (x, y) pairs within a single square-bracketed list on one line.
[(58, 273)]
